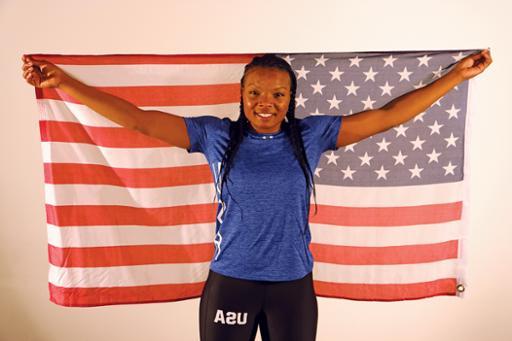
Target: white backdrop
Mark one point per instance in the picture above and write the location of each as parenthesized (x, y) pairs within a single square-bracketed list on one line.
[(100, 27)]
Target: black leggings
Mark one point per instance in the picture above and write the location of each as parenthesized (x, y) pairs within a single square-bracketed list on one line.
[(232, 308)]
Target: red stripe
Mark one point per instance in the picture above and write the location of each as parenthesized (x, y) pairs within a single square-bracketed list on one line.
[(134, 59), (64, 215), (115, 137), (386, 216), (154, 254), (164, 95), (83, 297), (87, 297), (73, 173), (129, 255), (84, 215), (386, 292), (406, 254)]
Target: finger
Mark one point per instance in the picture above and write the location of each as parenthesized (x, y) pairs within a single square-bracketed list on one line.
[(27, 66), (26, 73), (30, 80)]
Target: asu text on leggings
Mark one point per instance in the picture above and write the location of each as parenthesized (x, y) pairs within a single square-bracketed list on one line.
[(232, 309)]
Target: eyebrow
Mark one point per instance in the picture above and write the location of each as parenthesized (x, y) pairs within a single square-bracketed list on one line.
[(279, 87)]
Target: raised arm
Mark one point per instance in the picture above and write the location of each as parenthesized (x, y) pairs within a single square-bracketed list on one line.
[(364, 124), (166, 127)]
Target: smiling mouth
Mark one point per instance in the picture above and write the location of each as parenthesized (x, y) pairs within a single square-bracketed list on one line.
[(262, 115)]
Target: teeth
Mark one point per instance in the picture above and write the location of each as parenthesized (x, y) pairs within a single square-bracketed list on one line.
[(264, 115)]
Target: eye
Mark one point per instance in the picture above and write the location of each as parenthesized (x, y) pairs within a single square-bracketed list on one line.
[(279, 94), (252, 92)]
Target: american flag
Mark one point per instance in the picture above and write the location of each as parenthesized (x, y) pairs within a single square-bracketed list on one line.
[(131, 219)]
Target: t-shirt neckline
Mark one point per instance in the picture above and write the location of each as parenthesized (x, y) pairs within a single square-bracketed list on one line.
[(265, 136)]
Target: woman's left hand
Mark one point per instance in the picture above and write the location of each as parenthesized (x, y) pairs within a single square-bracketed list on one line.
[(473, 65)]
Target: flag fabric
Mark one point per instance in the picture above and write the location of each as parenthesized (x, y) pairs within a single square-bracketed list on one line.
[(131, 219)]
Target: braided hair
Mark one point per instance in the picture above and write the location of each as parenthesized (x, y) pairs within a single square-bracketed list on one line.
[(242, 124)]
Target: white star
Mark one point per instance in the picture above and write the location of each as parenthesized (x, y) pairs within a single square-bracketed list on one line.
[(321, 60), (458, 57), (334, 102), (332, 158), (368, 103), (449, 168), (389, 61), (419, 116), (404, 74), (419, 85), (352, 88), (318, 87), (435, 128), (452, 112), (317, 171), (415, 171), (302, 73), (370, 74), (288, 59), (417, 143), (433, 156), (399, 158), (365, 159), (438, 102), (348, 173), (424, 60), (336, 74), (400, 130), (381, 173), (316, 113), (300, 101), (355, 61), (386, 89), (350, 147), (383, 145), (437, 73), (451, 141)]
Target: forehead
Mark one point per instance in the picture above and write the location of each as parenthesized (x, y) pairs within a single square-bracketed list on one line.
[(267, 76)]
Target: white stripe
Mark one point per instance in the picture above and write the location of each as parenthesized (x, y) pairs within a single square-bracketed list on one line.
[(83, 153), (78, 194), (155, 74), (149, 274), (95, 236), (385, 274), (54, 110), (120, 235), (203, 193), (119, 276), (353, 196), (366, 236)]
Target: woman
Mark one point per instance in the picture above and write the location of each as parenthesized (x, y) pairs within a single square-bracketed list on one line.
[(261, 271)]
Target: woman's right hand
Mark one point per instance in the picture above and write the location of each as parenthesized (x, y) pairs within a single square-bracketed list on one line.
[(41, 73)]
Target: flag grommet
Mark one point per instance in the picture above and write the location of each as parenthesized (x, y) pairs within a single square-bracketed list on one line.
[(460, 288)]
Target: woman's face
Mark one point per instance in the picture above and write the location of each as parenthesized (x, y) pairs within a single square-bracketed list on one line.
[(266, 95)]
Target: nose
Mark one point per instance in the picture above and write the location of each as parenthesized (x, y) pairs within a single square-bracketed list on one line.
[(265, 100)]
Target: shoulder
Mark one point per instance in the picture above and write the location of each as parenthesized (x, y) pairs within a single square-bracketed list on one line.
[(317, 123), (208, 125), (207, 131), (208, 121)]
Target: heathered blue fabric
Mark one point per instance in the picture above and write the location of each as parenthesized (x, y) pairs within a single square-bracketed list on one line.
[(262, 229)]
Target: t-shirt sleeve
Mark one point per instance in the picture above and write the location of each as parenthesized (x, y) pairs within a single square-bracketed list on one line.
[(321, 130), (203, 132)]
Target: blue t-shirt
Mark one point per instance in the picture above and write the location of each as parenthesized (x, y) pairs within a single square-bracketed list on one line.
[(262, 229)]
